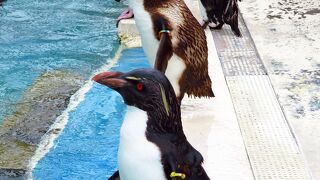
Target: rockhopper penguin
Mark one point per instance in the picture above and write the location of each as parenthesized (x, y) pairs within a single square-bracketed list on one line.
[(152, 141), (220, 12), (175, 44)]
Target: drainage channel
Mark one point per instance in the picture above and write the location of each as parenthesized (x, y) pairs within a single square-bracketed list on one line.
[(270, 143)]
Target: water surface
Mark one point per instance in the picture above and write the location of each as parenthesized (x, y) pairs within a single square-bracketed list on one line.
[(87, 148), (39, 36)]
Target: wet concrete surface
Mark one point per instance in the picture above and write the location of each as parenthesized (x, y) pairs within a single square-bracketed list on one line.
[(286, 34), (21, 132), (258, 111)]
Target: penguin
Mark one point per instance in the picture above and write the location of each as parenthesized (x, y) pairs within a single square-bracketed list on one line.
[(220, 12), (152, 142), (174, 44)]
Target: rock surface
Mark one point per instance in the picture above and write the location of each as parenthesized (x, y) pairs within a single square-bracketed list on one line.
[(21, 132), (129, 34)]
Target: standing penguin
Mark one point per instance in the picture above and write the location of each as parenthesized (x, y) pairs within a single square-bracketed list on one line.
[(152, 141), (220, 12), (175, 44)]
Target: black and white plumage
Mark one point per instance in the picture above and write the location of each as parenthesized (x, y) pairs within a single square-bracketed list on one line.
[(220, 12), (152, 141), (174, 43)]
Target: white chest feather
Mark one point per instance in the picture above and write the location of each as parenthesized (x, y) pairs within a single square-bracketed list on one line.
[(145, 27), (176, 65), (138, 158)]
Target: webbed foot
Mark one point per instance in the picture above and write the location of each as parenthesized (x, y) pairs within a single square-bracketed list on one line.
[(127, 14)]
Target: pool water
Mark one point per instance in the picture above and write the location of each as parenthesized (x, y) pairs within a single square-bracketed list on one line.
[(87, 148), (39, 36), (76, 36)]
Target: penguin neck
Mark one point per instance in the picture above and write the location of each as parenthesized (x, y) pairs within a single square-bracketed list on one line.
[(160, 122)]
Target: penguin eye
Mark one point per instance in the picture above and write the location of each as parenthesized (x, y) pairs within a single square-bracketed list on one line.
[(139, 86)]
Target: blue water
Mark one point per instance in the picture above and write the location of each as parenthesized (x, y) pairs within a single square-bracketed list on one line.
[(87, 148), (76, 36), (46, 35)]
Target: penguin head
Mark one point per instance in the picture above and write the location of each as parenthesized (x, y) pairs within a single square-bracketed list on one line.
[(147, 89)]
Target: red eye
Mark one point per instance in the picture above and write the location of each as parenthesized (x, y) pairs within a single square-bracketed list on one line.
[(139, 86)]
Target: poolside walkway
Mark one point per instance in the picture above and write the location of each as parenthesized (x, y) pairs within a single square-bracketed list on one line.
[(271, 146), (286, 35)]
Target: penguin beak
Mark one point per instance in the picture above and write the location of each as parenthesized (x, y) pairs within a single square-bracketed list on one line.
[(111, 79)]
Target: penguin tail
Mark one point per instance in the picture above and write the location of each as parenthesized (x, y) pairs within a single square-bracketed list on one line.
[(201, 88)]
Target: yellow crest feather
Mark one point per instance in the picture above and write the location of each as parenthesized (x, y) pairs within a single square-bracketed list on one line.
[(164, 99), (132, 78)]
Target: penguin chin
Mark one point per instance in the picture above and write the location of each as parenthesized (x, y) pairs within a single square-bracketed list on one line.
[(134, 104), (129, 103)]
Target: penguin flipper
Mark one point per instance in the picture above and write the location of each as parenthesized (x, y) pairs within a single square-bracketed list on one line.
[(164, 53), (186, 160), (115, 176), (195, 160)]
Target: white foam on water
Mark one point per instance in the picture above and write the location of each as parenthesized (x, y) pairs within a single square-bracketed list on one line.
[(47, 141)]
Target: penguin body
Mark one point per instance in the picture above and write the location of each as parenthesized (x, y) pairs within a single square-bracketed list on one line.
[(152, 141), (180, 51), (136, 151), (220, 12)]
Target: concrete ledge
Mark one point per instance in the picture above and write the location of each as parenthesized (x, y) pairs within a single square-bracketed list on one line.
[(129, 34)]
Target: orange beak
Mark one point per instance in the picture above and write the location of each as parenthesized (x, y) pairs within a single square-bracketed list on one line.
[(110, 79)]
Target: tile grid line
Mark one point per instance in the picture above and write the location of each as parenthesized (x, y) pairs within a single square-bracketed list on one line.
[(223, 52)]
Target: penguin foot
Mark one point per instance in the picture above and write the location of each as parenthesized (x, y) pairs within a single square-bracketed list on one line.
[(236, 31), (127, 14), (204, 24), (217, 27)]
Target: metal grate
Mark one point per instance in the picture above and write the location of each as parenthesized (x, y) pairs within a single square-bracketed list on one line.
[(225, 40), (241, 63), (271, 147)]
